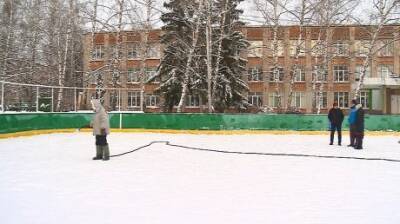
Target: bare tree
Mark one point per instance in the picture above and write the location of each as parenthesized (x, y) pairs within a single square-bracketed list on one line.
[(273, 12), (385, 12)]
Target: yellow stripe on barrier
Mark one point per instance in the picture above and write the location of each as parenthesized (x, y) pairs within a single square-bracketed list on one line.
[(193, 132)]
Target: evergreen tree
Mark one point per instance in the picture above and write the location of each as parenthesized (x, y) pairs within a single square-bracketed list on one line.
[(178, 39), (229, 87), (183, 68)]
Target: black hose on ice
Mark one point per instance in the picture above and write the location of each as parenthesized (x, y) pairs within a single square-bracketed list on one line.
[(256, 153)]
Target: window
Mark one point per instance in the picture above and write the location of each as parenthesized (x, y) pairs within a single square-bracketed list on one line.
[(386, 48), (280, 48), (297, 48), (255, 99), (114, 99), (273, 100), (299, 74), (320, 73), (358, 72), (276, 74), (322, 98), (340, 48), (362, 47), (152, 100), (133, 75), (317, 47), (255, 49), (153, 51), (340, 73), (151, 72), (298, 99), (385, 71), (98, 52), (255, 74), (132, 51), (193, 100), (342, 98), (116, 51), (134, 99), (364, 99)]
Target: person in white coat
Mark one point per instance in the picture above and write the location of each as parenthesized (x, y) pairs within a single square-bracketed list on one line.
[(101, 128)]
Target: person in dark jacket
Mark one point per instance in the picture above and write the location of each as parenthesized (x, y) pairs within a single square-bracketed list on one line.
[(359, 127), (336, 117), (352, 122)]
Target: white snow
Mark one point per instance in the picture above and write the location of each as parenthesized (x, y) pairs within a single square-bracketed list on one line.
[(49, 179)]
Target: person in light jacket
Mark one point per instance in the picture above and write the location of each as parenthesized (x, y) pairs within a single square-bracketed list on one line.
[(101, 128)]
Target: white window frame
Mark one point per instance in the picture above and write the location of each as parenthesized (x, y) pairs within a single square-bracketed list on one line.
[(323, 100), (298, 99), (255, 99), (300, 74), (340, 48), (384, 71), (133, 99), (193, 101), (153, 51), (358, 72), (98, 52), (362, 47), (273, 99), (386, 48), (255, 74), (363, 99), (151, 72), (280, 75), (320, 77), (341, 73), (152, 100), (255, 49), (114, 51), (293, 48), (342, 98), (133, 72), (132, 51)]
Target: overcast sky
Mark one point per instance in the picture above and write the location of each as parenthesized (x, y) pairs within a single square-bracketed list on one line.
[(250, 16)]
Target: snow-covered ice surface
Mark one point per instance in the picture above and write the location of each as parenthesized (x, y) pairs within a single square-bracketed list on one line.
[(50, 179)]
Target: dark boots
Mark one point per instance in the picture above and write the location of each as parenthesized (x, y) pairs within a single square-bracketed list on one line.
[(98, 153), (359, 141), (102, 152)]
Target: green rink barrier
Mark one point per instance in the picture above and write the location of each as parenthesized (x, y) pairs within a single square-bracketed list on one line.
[(17, 122)]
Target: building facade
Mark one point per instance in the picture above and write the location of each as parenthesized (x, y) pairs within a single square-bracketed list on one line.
[(345, 49)]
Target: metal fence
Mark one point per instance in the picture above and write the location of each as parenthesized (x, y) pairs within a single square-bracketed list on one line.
[(22, 97)]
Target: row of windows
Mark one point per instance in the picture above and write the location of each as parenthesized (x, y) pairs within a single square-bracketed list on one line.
[(153, 100), (298, 99), (254, 98), (338, 48), (340, 73), (132, 75), (133, 51)]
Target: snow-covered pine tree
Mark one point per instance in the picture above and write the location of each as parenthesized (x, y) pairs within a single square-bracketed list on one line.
[(180, 69), (229, 88)]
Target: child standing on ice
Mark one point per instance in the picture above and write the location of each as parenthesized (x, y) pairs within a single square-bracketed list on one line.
[(101, 128)]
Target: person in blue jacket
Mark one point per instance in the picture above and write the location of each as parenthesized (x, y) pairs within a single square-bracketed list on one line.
[(356, 124), (352, 122)]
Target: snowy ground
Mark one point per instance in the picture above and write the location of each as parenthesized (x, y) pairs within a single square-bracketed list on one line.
[(50, 179)]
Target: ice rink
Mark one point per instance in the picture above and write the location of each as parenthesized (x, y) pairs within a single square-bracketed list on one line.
[(48, 179)]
